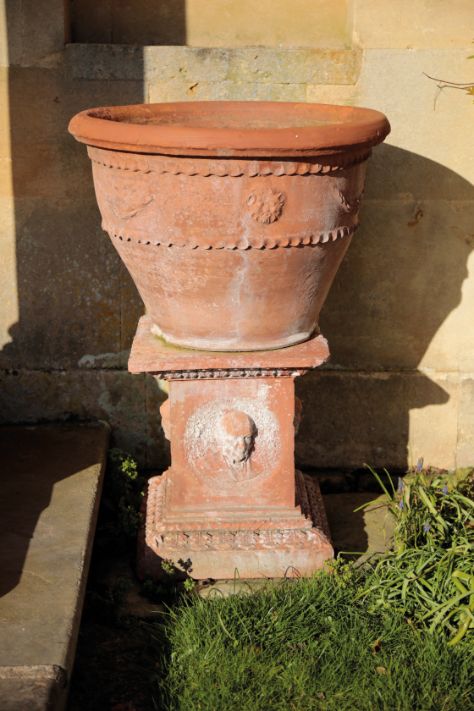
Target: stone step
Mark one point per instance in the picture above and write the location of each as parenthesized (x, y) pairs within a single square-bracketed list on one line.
[(51, 479)]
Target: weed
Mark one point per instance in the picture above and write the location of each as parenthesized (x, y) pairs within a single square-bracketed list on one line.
[(189, 585), (122, 499), (168, 566)]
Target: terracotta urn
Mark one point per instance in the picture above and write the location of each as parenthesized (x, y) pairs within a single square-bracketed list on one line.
[(231, 217)]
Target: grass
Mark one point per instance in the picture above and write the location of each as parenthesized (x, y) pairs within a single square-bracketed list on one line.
[(395, 634), (307, 646)]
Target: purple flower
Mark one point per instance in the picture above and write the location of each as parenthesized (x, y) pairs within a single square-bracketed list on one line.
[(426, 527), (400, 504), (419, 464), (445, 489), (400, 485)]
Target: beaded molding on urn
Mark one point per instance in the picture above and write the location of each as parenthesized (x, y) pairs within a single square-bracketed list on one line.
[(212, 374), (222, 168), (257, 242), (313, 531)]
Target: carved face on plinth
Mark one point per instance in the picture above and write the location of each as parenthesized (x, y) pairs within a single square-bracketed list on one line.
[(237, 432), (232, 439)]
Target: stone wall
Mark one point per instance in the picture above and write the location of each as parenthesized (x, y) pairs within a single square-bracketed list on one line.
[(400, 317)]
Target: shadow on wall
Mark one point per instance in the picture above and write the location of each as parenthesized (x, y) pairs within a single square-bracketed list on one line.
[(77, 306), (141, 22), (400, 280)]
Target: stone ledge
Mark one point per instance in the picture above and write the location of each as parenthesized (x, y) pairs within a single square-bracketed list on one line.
[(36, 688), (185, 65), (51, 489)]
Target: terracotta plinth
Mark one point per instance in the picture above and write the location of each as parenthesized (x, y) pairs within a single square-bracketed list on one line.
[(231, 502)]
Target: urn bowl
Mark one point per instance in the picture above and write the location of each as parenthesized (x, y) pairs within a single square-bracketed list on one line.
[(231, 217)]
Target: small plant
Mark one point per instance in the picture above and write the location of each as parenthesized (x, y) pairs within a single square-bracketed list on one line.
[(123, 492), (189, 585), (168, 567), (429, 574)]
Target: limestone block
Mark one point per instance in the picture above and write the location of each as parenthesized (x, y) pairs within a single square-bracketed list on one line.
[(3, 37), (435, 126), (4, 127), (413, 23), (396, 173), (51, 98), (223, 23), (130, 404), (208, 64), (429, 167), (177, 73), (104, 62), (211, 64), (34, 30), (91, 21), (400, 299), (38, 158), (69, 280), (143, 22), (382, 419), (341, 94), (453, 343), (462, 318), (367, 531), (465, 450), (294, 65), (433, 431), (225, 90), (9, 310), (214, 23), (66, 294)]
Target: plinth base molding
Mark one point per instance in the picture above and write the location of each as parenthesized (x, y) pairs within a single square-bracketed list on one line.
[(252, 545)]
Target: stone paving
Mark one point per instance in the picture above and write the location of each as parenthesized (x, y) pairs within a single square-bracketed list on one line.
[(51, 483)]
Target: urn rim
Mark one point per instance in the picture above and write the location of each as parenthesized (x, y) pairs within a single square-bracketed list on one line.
[(226, 129)]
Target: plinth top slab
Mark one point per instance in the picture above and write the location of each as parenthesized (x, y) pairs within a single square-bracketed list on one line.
[(151, 354)]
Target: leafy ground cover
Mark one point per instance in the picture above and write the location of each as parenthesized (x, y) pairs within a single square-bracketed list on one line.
[(428, 576), (395, 634)]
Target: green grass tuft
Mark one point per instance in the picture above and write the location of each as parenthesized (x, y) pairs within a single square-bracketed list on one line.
[(309, 645)]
